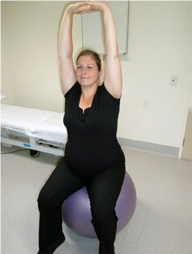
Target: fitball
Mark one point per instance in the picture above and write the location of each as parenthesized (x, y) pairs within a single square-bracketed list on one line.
[(77, 214)]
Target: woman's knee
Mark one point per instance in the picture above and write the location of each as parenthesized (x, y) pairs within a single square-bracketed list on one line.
[(46, 199), (101, 216)]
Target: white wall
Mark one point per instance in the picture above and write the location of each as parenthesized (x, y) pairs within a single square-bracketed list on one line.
[(29, 53), (158, 47), (190, 61)]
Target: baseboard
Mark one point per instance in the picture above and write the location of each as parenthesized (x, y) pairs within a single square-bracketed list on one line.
[(150, 147)]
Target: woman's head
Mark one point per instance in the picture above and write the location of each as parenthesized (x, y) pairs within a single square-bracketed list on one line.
[(88, 68), (93, 55)]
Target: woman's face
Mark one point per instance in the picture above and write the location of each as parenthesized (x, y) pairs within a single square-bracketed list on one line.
[(87, 72)]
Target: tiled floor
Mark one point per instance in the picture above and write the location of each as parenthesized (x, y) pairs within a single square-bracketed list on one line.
[(161, 224)]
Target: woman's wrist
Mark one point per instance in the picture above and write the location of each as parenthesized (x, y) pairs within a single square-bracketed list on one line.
[(69, 10), (104, 6)]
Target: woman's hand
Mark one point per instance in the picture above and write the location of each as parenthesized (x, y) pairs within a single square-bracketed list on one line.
[(81, 8), (97, 5), (87, 7)]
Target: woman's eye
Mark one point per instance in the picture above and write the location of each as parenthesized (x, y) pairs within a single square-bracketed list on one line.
[(79, 67)]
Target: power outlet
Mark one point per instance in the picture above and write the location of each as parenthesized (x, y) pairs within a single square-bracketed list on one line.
[(173, 80)]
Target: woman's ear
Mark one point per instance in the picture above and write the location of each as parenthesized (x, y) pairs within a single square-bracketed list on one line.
[(100, 72)]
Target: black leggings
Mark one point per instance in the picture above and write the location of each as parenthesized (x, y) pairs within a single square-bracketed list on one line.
[(103, 190)]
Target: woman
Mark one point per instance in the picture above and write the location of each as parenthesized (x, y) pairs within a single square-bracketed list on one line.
[(93, 157)]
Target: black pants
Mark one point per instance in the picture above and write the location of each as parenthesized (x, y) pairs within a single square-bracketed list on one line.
[(103, 190)]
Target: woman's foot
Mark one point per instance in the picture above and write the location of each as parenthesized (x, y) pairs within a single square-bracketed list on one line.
[(53, 246)]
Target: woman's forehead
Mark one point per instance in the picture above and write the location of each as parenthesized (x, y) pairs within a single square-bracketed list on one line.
[(86, 60)]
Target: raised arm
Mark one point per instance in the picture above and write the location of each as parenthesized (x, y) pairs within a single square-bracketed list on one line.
[(66, 68), (67, 71), (113, 74)]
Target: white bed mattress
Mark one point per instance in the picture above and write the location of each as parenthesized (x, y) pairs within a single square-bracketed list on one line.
[(42, 124)]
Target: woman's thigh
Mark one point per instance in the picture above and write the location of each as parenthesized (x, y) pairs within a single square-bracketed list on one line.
[(61, 184), (104, 189)]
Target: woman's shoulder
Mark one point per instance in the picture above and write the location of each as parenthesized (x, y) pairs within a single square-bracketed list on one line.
[(75, 89), (105, 92)]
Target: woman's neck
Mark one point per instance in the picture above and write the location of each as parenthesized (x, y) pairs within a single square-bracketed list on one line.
[(88, 92), (87, 96)]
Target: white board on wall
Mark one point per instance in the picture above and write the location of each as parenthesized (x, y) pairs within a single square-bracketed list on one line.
[(93, 31)]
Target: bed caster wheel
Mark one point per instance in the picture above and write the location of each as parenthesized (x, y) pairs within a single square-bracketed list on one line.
[(34, 153)]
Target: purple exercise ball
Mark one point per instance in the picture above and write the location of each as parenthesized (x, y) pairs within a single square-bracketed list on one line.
[(77, 214)]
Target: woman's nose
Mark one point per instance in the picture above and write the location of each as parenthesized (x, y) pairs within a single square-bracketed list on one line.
[(83, 70)]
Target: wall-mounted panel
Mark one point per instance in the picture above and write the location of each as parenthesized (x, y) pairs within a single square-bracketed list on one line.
[(93, 31)]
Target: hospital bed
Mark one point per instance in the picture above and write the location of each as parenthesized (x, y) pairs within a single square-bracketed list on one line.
[(37, 130)]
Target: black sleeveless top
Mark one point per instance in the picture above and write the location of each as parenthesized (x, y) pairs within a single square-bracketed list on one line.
[(92, 145)]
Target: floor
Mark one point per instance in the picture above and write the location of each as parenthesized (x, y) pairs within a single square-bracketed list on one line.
[(161, 224)]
